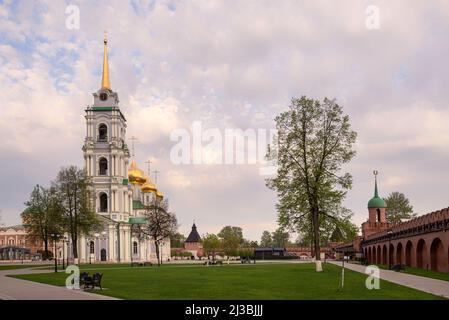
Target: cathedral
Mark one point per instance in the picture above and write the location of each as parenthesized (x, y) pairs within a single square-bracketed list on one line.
[(120, 188)]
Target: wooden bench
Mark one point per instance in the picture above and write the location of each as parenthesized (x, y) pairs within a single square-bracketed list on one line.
[(83, 277), (92, 282), (247, 260)]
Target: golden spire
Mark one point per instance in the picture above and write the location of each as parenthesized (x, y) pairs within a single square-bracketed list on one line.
[(105, 84)]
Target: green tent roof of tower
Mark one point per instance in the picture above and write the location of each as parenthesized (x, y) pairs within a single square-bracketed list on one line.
[(376, 201)]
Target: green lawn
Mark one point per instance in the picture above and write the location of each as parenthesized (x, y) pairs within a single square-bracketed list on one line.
[(101, 266), (422, 272), (19, 266), (260, 281)]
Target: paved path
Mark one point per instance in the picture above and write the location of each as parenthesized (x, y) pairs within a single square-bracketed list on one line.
[(18, 289), (433, 286)]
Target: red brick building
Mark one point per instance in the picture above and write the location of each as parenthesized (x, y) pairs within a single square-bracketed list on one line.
[(422, 242), (193, 243)]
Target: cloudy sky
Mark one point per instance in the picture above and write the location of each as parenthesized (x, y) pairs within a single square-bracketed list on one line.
[(228, 64)]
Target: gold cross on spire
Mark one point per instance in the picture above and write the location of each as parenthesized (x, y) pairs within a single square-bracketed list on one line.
[(105, 84)]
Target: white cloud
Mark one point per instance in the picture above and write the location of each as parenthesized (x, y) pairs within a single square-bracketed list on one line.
[(231, 64)]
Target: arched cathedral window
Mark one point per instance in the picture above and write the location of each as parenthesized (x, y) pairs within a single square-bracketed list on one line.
[(134, 247), (103, 166), (92, 247), (102, 132), (103, 202)]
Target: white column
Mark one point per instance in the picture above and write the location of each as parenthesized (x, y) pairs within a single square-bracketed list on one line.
[(127, 244), (111, 241), (125, 202), (82, 249), (113, 165)]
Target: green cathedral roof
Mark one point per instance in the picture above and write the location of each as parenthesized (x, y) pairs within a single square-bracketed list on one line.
[(137, 204), (376, 201)]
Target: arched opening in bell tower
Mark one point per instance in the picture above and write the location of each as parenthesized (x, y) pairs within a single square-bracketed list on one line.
[(102, 132), (103, 167), (103, 202)]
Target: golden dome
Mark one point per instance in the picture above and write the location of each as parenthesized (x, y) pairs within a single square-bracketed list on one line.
[(135, 175), (148, 186), (159, 195)]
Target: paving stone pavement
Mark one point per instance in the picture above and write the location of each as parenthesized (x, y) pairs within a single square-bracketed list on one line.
[(18, 289), (433, 286)]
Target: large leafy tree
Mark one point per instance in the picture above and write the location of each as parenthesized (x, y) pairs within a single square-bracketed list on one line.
[(76, 200), (230, 231), (265, 240), (161, 224), (398, 207), (177, 240), (280, 238), (211, 245), (43, 216), (231, 238), (314, 141)]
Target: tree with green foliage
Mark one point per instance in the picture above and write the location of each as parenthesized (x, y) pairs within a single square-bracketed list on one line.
[(43, 216), (280, 238), (76, 201), (231, 232), (398, 208), (314, 140), (177, 240), (231, 239), (265, 240), (211, 245), (253, 244)]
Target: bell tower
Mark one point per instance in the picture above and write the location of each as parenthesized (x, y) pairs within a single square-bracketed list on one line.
[(105, 152), (376, 213)]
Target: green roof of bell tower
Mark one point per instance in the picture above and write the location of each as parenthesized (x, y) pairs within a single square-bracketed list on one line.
[(376, 201)]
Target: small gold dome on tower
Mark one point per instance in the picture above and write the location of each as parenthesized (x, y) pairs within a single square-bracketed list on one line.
[(135, 175), (148, 186)]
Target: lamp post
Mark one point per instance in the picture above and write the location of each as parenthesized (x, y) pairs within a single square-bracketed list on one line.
[(389, 232), (103, 233), (161, 246), (89, 250), (343, 270), (55, 237), (63, 252), (254, 253), (68, 250)]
